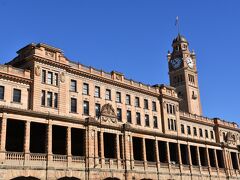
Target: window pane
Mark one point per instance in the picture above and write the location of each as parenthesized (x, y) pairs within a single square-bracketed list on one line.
[(2, 92), (56, 79), (86, 108), (55, 100), (16, 95), (73, 105), (85, 88), (43, 98), (146, 120), (108, 94), (119, 114), (49, 99), (145, 103), (43, 76), (50, 78), (128, 99), (97, 91), (97, 110), (73, 86), (137, 104), (129, 117), (155, 122), (154, 108), (138, 118), (118, 97)]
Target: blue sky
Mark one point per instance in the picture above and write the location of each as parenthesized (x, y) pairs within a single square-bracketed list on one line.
[(133, 37)]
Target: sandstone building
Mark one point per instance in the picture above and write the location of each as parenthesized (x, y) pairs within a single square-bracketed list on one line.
[(63, 120)]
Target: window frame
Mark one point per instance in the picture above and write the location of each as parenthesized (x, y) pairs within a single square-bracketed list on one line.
[(19, 98), (73, 85)]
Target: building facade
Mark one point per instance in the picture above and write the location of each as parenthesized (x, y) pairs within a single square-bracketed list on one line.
[(64, 120)]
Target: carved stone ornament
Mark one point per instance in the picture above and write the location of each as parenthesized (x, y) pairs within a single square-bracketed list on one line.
[(118, 77), (108, 113), (62, 77), (230, 137), (37, 70)]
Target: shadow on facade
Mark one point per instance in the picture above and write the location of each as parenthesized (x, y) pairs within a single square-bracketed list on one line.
[(25, 178)]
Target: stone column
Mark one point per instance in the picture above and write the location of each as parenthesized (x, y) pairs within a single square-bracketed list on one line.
[(117, 149), (27, 141), (189, 157), (226, 163), (130, 147), (157, 155), (179, 156), (49, 141), (144, 153), (102, 148), (96, 155), (216, 160), (3, 136), (199, 159), (208, 160), (168, 157), (69, 146)]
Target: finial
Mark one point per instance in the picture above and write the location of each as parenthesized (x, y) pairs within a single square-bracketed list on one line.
[(177, 24)]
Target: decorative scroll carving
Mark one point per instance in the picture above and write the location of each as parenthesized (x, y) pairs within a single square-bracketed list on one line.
[(49, 54), (230, 138), (37, 70), (62, 77), (108, 114)]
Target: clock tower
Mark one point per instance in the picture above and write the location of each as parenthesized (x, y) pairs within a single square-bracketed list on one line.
[(183, 75)]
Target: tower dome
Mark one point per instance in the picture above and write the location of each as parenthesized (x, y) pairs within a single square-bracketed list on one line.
[(179, 39)]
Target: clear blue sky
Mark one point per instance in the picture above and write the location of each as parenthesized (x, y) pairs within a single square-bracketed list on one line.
[(133, 37)]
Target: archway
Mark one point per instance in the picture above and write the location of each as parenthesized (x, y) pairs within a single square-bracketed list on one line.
[(25, 178), (68, 178)]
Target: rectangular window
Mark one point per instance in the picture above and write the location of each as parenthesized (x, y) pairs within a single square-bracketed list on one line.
[(212, 135), (73, 87), (145, 104), (195, 131), (73, 105), (182, 129), (50, 78), (128, 99), (55, 100), (172, 124), (2, 92), (85, 107), (97, 110), (56, 79), (49, 99), (85, 89), (137, 102), (129, 116), (138, 118), (16, 95), (200, 132), (97, 92), (189, 130), (108, 94), (119, 114), (147, 120), (169, 124), (118, 97), (43, 76), (43, 97), (206, 133), (155, 122), (154, 106), (171, 109)]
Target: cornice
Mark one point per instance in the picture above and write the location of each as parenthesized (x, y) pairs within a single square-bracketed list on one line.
[(15, 78)]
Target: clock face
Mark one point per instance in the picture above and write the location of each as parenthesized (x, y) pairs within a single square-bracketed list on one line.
[(176, 62), (189, 62)]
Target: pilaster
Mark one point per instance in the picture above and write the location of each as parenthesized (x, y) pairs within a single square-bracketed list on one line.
[(27, 141), (3, 136)]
